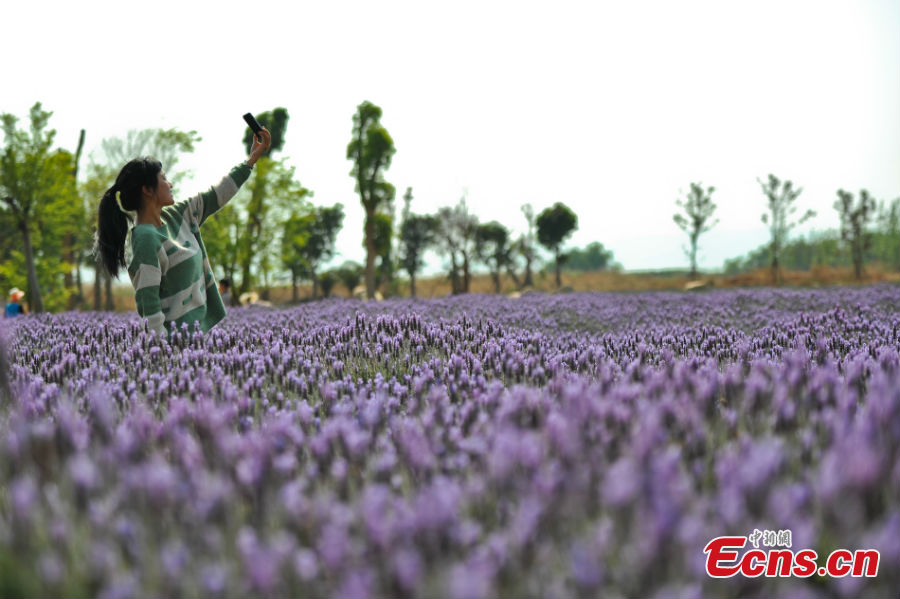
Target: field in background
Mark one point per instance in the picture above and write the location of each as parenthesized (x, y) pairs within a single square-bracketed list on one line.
[(439, 286)]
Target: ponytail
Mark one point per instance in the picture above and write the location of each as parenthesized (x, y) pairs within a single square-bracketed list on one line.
[(112, 229), (112, 218)]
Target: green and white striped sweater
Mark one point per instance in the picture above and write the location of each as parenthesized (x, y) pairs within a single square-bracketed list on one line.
[(173, 280)]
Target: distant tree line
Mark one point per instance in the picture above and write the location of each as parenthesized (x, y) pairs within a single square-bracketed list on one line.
[(590, 258), (868, 233), (877, 243)]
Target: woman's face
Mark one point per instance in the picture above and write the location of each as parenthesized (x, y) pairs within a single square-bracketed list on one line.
[(163, 190), (162, 195)]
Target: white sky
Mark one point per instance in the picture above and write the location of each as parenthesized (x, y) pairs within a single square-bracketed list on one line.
[(613, 108)]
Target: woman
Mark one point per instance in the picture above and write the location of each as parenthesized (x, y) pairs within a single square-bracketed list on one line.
[(173, 280)]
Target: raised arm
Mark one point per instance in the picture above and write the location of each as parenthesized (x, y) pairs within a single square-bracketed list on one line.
[(205, 204)]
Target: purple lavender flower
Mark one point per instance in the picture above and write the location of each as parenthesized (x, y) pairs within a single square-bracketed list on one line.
[(465, 446)]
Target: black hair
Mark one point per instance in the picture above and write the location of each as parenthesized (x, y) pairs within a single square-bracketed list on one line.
[(226, 282), (112, 222)]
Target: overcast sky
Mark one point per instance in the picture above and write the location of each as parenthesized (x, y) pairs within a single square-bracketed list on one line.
[(613, 108)]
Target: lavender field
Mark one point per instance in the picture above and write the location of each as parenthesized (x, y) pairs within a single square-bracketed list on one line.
[(552, 445)]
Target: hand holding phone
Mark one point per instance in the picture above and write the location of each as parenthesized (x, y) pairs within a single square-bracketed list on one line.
[(254, 125), (262, 139)]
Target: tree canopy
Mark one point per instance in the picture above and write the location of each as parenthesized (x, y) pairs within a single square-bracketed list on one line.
[(40, 206), (554, 225), (780, 196), (371, 150), (417, 234), (855, 217), (698, 209)]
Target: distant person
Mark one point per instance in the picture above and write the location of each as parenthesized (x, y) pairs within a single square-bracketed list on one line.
[(225, 290), (14, 307), (170, 271)]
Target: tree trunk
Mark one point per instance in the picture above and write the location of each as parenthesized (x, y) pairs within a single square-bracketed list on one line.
[(36, 303), (245, 277), (78, 283), (466, 274), (412, 284), (370, 251), (266, 291), (294, 293), (512, 274), (315, 282), (558, 269), (232, 289), (529, 281), (454, 274), (254, 226), (693, 258), (110, 304), (495, 275), (69, 251), (98, 276)]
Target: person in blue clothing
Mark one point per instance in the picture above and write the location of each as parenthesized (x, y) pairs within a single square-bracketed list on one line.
[(15, 307)]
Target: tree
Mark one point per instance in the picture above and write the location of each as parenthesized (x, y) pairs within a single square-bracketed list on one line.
[(449, 244), (516, 248), (57, 227), (466, 225), (371, 150), (456, 236), (383, 244), (73, 242), (24, 170), (554, 225), (308, 242), (888, 244), (819, 248), (492, 248), (593, 257), (855, 219), (244, 238), (698, 210), (53, 226), (781, 197), (417, 234), (100, 178), (166, 145), (8, 244), (526, 244), (293, 241), (327, 281), (271, 181), (222, 237), (319, 248), (350, 274)]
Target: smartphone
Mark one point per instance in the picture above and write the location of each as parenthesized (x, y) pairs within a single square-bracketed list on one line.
[(254, 125)]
